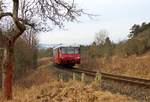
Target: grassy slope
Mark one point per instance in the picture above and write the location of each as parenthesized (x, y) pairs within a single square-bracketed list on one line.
[(138, 66), (41, 86)]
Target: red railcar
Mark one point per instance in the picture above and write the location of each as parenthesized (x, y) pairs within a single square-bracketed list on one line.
[(66, 55)]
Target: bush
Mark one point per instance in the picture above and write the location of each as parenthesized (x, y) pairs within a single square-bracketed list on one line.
[(135, 46), (25, 58), (45, 52)]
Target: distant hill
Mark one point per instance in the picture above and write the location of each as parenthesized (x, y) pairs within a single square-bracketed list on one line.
[(44, 46)]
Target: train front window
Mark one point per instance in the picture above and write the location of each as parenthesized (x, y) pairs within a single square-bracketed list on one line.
[(70, 50), (76, 50), (64, 50)]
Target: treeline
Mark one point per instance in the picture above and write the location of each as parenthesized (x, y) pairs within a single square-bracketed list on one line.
[(45, 52), (26, 53), (138, 43)]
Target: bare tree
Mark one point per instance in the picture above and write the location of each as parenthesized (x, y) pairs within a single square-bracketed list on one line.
[(27, 14), (100, 37), (30, 37)]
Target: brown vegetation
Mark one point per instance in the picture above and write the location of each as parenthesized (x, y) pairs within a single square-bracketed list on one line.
[(65, 92), (24, 17), (130, 57), (40, 85), (42, 74), (137, 66), (25, 58), (43, 61)]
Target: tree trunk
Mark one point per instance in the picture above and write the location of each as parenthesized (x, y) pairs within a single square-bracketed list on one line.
[(8, 72)]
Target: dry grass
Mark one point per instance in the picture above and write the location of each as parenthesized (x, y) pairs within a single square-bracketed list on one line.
[(138, 66), (41, 86), (44, 60), (65, 92), (42, 75)]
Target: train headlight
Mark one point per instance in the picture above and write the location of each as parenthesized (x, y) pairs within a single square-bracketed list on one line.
[(78, 57)]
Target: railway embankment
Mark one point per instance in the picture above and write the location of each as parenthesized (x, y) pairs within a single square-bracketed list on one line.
[(125, 85), (134, 66)]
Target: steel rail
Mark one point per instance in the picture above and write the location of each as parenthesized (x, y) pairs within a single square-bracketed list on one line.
[(127, 79)]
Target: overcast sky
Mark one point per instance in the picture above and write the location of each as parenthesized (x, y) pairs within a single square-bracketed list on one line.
[(115, 16)]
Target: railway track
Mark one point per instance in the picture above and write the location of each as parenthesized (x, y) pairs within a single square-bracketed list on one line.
[(126, 79), (136, 88)]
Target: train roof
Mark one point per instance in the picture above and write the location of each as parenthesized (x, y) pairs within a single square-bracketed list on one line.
[(59, 46)]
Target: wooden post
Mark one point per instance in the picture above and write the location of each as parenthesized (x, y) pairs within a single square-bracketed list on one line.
[(82, 77), (60, 77), (98, 80), (74, 76)]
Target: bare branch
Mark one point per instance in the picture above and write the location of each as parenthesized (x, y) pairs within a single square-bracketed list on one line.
[(19, 25), (58, 11), (26, 22), (35, 13), (5, 14)]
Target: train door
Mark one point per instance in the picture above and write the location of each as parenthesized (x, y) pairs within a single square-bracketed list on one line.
[(58, 56)]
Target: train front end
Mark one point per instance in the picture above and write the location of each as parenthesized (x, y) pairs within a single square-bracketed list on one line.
[(70, 55), (66, 55)]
